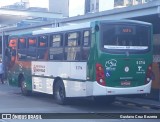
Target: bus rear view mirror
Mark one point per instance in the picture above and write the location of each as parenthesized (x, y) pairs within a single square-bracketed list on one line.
[(97, 28)]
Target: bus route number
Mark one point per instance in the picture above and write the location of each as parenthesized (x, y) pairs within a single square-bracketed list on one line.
[(79, 68), (140, 62), (127, 30)]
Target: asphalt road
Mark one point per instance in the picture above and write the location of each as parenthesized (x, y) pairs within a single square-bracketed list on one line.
[(11, 101)]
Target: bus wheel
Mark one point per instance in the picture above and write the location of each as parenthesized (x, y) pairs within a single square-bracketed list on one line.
[(59, 93), (24, 88), (107, 100)]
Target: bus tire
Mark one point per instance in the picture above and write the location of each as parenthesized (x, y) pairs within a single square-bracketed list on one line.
[(24, 90), (59, 93)]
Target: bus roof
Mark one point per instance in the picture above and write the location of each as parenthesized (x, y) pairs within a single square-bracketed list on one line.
[(70, 27), (62, 28)]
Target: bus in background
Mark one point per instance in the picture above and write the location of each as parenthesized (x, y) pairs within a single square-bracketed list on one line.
[(155, 91), (100, 59)]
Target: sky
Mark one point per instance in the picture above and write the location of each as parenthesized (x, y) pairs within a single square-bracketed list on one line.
[(33, 3), (106, 5), (76, 6)]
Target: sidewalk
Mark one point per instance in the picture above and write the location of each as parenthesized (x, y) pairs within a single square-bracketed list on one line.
[(140, 102)]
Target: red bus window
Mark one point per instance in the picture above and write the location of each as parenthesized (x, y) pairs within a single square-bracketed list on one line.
[(12, 43), (22, 41), (32, 42), (42, 41), (42, 44)]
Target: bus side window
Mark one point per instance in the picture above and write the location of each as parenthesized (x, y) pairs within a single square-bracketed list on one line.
[(85, 45), (31, 52), (22, 48), (72, 47), (12, 45), (42, 41), (32, 42), (21, 43), (56, 49), (42, 47)]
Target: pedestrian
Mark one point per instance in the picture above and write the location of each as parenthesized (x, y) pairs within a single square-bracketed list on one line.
[(1, 71)]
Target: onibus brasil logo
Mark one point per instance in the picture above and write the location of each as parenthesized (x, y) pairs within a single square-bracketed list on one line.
[(111, 65)]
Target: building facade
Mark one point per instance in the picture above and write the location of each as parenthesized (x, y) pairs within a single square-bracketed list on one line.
[(59, 6), (92, 6), (118, 3), (54, 6)]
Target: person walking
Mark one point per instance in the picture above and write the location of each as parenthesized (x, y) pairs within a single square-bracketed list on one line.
[(1, 72)]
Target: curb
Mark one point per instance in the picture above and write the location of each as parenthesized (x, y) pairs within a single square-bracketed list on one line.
[(130, 101)]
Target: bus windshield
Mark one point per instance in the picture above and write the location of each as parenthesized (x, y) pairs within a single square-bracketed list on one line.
[(122, 37)]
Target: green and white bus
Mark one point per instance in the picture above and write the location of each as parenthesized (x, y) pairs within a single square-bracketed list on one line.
[(100, 59)]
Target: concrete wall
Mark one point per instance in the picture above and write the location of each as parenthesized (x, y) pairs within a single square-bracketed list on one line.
[(59, 6), (94, 5), (106, 5)]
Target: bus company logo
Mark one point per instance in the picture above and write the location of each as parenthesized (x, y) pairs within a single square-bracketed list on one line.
[(111, 65), (38, 68)]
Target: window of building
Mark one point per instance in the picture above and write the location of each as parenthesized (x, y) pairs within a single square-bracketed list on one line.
[(97, 6), (92, 8)]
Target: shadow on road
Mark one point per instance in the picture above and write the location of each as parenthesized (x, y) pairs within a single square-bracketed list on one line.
[(75, 102)]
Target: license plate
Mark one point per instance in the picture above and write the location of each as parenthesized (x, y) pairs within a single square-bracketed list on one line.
[(125, 83)]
